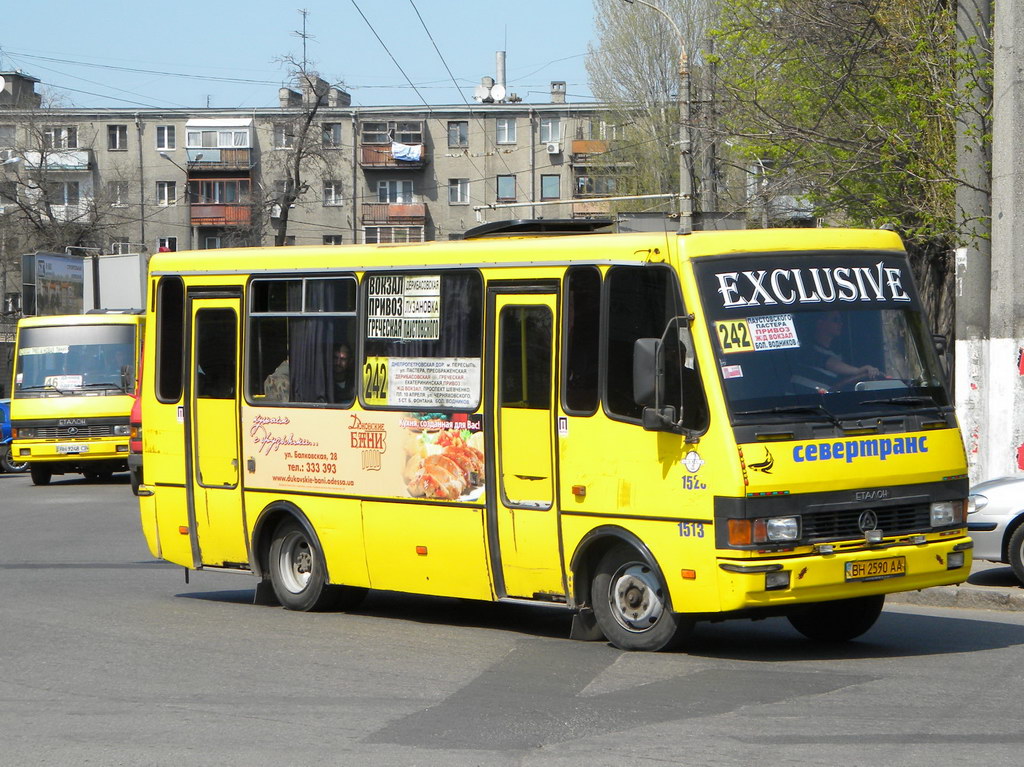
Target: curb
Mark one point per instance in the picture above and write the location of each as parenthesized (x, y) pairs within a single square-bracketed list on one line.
[(965, 596)]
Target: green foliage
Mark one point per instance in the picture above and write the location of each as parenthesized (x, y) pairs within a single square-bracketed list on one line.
[(854, 102)]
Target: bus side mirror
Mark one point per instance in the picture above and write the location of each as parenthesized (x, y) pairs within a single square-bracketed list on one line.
[(648, 375), (941, 344)]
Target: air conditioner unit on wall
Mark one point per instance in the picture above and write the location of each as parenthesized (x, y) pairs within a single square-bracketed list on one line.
[(554, 147)]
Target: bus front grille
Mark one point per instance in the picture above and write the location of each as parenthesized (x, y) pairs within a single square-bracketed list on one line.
[(839, 525)]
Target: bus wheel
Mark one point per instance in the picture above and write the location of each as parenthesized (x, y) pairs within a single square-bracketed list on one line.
[(8, 463), (40, 474), (838, 621), (631, 605), (298, 575)]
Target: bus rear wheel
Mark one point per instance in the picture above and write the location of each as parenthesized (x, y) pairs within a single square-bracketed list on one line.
[(631, 604), (299, 575), (838, 621), (41, 474)]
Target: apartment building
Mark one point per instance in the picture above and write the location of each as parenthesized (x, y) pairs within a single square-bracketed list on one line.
[(177, 179)]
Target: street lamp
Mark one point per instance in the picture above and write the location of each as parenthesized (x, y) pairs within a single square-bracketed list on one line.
[(685, 159), (188, 195)]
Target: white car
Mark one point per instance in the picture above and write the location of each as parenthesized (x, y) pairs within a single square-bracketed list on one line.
[(997, 522)]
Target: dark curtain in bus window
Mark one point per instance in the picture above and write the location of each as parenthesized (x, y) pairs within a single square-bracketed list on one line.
[(215, 353), (526, 357), (641, 300), (582, 333)]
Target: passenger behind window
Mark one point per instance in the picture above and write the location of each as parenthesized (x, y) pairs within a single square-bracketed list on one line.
[(344, 378), (277, 386)]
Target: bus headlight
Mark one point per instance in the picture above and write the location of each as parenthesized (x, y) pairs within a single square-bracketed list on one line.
[(945, 513), (22, 433), (122, 430), (747, 532)]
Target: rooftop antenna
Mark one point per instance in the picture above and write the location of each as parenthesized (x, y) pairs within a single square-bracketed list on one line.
[(304, 35)]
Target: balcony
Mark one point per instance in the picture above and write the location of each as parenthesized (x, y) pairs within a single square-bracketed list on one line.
[(394, 213), (219, 159), (220, 214), (387, 157), (583, 148), (59, 159), (591, 208)]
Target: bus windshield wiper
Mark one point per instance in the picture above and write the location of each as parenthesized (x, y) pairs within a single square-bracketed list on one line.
[(810, 409), (105, 384), (908, 400)]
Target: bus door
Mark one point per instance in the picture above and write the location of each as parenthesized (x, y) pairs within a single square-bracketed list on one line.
[(524, 530), (213, 444)]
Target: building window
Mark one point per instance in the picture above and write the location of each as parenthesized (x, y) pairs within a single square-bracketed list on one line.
[(550, 187), (117, 138), (284, 137), (211, 243), (505, 130), (458, 134), (506, 187), (217, 139), (609, 131), (458, 191), (60, 137), (550, 129), (219, 192), (383, 132), (6, 136), (333, 239), (117, 191), (165, 137), (62, 193), (332, 135), (289, 239), (166, 193), (8, 191), (394, 191), (167, 244), (332, 193), (391, 234)]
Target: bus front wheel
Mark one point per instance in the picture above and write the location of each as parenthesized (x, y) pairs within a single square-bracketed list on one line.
[(41, 474), (838, 621), (631, 604), (299, 576)]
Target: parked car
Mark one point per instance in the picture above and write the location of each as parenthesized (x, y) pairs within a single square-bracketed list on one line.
[(7, 462), (997, 522)]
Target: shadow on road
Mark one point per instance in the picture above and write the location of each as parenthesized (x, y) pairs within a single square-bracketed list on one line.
[(897, 634)]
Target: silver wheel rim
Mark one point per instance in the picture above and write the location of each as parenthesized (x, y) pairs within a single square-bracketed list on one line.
[(295, 563), (635, 597)]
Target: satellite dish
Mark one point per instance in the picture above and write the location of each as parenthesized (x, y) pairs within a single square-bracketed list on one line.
[(481, 92), (498, 93), (3, 83)]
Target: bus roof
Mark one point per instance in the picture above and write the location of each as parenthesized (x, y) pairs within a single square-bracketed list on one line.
[(523, 249), (97, 318)]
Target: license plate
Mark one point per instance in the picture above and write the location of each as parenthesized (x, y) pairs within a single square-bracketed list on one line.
[(72, 449), (876, 569)]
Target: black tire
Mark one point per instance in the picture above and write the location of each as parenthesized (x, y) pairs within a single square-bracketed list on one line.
[(298, 574), (838, 621), (631, 604), (1015, 553), (8, 464), (41, 474)]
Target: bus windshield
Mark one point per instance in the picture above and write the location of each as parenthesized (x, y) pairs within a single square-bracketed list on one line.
[(832, 337), (75, 359)]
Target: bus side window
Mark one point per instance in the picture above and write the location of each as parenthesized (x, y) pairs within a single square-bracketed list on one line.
[(170, 339), (582, 339)]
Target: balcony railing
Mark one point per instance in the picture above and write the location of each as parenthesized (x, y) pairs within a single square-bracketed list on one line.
[(221, 214), (381, 157), (219, 159), (394, 212)]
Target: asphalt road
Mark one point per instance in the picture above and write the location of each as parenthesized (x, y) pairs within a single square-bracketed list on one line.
[(108, 657)]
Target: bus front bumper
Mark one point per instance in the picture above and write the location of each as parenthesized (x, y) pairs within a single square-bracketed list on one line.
[(820, 577), (55, 451)]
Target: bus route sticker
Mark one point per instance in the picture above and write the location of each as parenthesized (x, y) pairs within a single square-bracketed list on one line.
[(774, 331)]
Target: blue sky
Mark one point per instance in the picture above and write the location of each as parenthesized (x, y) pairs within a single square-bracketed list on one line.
[(186, 53)]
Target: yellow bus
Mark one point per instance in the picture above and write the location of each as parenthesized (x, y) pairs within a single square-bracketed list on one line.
[(647, 430), (74, 381)]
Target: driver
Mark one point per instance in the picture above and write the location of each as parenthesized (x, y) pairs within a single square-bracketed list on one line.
[(826, 361)]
